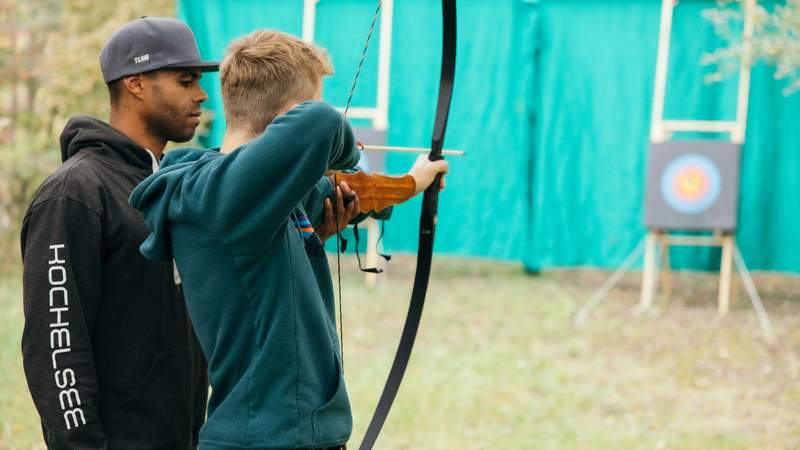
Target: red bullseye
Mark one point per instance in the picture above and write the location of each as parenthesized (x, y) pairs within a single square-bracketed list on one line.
[(691, 183)]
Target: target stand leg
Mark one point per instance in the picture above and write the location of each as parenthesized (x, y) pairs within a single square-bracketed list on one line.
[(650, 272), (725, 270), (600, 294), (734, 286), (666, 269), (755, 299), (373, 234)]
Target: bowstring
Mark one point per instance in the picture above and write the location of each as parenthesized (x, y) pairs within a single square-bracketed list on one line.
[(339, 238), (335, 205), (363, 57)]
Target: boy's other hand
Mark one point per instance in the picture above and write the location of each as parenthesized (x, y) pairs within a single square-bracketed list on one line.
[(344, 213), (424, 172)]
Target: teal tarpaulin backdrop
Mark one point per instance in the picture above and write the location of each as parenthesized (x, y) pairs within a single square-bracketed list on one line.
[(552, 103)]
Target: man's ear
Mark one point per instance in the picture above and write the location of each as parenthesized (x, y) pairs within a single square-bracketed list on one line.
[(134, 85)]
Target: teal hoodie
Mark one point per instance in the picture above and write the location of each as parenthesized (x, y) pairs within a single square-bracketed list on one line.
[(256, 278)]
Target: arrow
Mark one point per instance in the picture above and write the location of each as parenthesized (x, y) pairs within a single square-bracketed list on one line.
[(383, 148)]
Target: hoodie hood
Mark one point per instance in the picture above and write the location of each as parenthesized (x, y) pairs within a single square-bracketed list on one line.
[(157, 194), (92, 134)]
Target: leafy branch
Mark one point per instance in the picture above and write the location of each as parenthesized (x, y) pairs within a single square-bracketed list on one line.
[(776, 39)]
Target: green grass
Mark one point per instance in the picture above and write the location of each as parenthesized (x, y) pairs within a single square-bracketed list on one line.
[(498, 364), (19, 423)]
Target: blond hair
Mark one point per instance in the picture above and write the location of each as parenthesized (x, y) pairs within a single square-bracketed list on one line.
[(265, 71)]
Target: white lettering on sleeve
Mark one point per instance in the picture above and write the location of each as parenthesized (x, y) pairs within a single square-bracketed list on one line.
[(73, 413), (60, 339), (68, 395), (61, 378), (56, 259), (63, 292), (61, 333)]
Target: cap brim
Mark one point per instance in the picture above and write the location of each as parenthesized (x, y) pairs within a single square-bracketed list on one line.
[(203, 66)]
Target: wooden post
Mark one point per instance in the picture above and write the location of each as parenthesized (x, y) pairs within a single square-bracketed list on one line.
[(309, 19), (666, 276), (373, 233), (745, 64), (649, 272), (725, 269), (657, 132), (381, 119)]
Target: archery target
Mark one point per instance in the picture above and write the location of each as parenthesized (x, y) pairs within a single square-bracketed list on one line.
[(692, 185)]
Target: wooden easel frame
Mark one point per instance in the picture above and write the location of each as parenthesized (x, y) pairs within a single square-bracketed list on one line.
[(661, 130), (378, 115), (661, 240)]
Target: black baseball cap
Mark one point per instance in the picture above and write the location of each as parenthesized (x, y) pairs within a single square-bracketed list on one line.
[(151, 43)]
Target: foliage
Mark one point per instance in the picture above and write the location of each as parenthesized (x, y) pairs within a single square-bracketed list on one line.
[(49, 71), (776, 39)]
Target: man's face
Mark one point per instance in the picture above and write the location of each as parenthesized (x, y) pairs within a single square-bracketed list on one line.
[(172, 103)]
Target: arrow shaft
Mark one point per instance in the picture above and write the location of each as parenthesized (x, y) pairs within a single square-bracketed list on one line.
[(383, 148)]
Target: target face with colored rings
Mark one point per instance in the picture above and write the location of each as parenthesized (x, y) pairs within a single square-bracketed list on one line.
[(691, 183)]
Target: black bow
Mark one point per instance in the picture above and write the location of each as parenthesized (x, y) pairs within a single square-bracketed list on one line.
[(427, 225)]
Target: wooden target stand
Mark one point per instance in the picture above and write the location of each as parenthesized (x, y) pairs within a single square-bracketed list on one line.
[(377, 115), (658, 240)]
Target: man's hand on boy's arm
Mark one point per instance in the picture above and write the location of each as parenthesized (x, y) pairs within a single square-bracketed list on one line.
[(344, 213)]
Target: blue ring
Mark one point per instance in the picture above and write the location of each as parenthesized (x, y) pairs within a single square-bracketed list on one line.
[(707, 166)]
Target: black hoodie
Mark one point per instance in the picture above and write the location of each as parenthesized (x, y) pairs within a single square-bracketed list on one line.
[(109, 353)]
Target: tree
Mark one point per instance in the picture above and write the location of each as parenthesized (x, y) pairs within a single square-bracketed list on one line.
[(49, 71), (776, 39)]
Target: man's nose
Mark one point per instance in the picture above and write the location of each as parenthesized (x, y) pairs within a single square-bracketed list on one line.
[(202, 96)]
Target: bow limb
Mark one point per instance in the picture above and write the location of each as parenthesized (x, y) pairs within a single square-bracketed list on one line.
[(427, 227)]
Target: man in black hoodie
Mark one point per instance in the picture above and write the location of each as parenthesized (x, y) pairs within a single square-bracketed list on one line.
[(109, 353)]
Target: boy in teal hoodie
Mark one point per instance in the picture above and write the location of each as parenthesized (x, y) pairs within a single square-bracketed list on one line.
[(256, 278)]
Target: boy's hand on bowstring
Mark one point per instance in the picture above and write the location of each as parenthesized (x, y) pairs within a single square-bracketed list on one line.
[(424, 172), (345, 213)]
